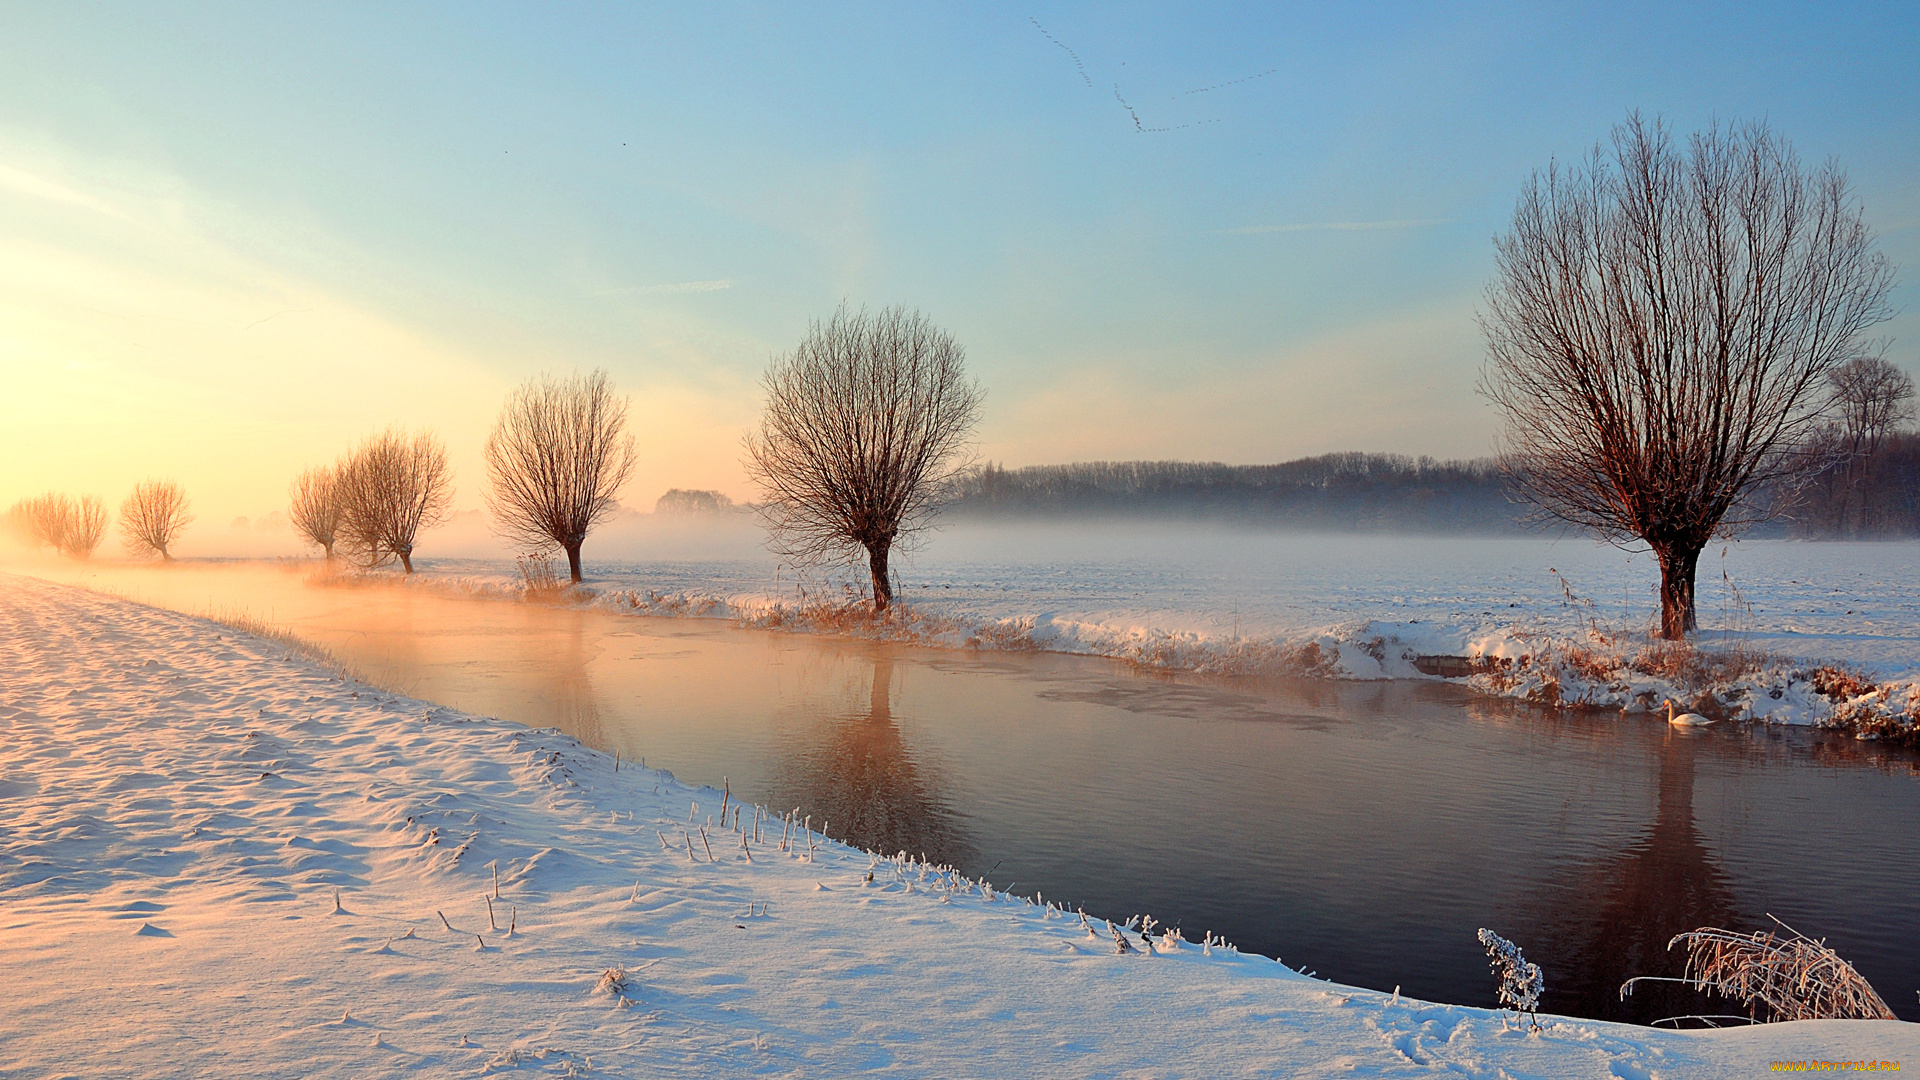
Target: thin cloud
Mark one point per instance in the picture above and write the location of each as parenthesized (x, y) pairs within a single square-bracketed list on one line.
[(22, 182), (1335, 226), (677, 287)]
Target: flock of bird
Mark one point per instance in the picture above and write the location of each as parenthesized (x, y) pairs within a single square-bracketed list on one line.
[(1138, 124)]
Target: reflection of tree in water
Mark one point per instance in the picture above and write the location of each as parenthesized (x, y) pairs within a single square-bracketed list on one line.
[(1609, 922), (564, 694), (851, 769)]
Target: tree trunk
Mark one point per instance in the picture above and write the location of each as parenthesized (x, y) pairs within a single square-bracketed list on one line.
[(573, 561), (882, 584), (406, 560), (329, 551), (1677, 566)]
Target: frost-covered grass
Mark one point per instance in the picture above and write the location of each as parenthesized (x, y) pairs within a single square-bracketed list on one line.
[(219, 858)]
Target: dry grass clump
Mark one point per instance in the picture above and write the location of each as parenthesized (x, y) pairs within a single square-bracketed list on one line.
[(612, 983), (1777, 977), (536, 571), (1867, 709), (1694, 670), (1592, 665), (1838, 684)]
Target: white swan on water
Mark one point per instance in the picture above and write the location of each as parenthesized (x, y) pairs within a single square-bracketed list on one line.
[(1685, 719)]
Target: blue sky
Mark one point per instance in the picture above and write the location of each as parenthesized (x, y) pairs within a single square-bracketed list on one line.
[(243, 236)]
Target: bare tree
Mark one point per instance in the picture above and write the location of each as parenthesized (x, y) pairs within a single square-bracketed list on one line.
[(153, 517), (42, 520), (72, 526), (864, 422), (1869, 398), (1659, 328), (314, 507), (389, 489), (86, 526), (556, 458), (19, 521)]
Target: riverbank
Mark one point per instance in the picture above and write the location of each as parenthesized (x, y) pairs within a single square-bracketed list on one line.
[(222, 858)]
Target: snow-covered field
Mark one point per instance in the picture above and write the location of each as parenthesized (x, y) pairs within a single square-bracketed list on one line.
[(1214, 599), (220, 859)]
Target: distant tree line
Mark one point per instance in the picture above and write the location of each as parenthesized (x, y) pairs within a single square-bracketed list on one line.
[(1866, 481), (692, 501), (1352, 491), (1875, 496)]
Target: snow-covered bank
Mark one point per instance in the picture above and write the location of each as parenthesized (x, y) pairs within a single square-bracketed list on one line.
[(181, 806), (1561, 622)]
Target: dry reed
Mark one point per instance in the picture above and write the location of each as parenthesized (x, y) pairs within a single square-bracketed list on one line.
[(1786, 977), (536, 570)]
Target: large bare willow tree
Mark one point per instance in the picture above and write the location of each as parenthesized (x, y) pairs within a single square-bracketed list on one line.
[(153, 517), (556, 459), (865, 420), (1660, 331), (390, 488)]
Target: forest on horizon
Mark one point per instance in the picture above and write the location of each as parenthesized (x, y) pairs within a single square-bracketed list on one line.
[(1874, 497)]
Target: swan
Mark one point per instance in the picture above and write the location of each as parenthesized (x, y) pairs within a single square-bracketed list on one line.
[(1687, 719)]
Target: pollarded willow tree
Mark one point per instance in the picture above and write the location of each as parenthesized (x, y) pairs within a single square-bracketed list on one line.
[(315, 509), (1660, 331), (390, 488), (556, 459), (70, 526), (86, 526), (153, 517), (865, 421)]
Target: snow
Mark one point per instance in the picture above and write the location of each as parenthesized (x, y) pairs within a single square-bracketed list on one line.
[(218, 858)]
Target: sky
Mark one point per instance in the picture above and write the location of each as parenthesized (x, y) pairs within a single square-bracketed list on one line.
[(235, 239)]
